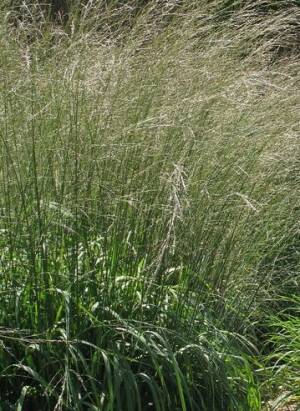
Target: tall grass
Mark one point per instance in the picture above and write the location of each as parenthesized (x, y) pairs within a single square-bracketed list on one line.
[(284, 359), (149, 206)]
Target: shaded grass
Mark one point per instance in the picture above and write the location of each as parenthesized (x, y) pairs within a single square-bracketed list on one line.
[(284, 359)]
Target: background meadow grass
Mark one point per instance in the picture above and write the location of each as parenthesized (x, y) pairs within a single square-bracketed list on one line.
[(149, 208)]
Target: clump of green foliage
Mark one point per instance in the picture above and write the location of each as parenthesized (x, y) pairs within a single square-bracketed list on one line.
[(149, 204), (283, 361)]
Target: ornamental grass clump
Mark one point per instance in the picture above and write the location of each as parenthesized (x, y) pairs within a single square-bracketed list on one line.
[(149, 201)]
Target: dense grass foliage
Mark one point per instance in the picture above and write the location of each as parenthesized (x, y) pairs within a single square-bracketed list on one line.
[(285, 359), (149, 207)]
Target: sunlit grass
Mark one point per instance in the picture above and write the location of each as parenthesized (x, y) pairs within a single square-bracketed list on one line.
[(148, 210)]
